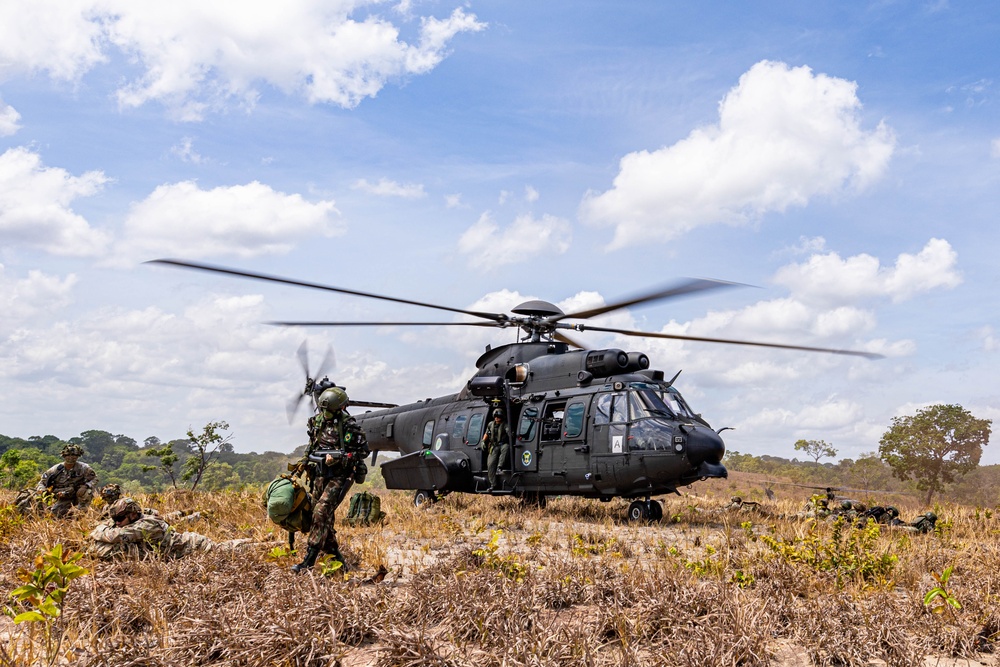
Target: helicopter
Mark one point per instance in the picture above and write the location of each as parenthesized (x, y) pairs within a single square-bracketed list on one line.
[(593, 423)]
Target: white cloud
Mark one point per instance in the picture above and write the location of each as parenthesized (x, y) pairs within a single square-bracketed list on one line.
[(829, 279), (35, 206), (995, 148), (241, 220), (199, 55), (784, 136), (388, 188), (62, 37), (453, 201), (8, 119), (186, 152), (530, 194), (39, 293), (489, 247)]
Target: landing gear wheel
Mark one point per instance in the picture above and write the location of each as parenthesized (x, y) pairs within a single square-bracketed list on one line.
[(638, 511), (655, 510), (422, 497)]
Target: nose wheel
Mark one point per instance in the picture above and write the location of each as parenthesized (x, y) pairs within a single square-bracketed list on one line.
[(645, 510)]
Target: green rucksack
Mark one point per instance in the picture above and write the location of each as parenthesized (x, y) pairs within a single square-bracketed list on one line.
[(288, 504), (365, 510)]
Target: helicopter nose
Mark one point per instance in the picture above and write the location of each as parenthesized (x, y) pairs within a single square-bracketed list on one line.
[(705, 446)]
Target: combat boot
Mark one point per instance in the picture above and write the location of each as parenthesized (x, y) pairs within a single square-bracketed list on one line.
[(309, 560)]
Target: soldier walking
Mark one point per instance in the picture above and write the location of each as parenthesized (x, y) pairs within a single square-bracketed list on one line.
[(497, 439), (336, 453)]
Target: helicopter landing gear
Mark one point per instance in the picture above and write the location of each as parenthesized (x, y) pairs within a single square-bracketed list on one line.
[(422, 497), (645, 510)]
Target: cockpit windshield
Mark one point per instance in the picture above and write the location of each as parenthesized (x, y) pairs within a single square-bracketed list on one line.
[(645, 402), (676, 403)]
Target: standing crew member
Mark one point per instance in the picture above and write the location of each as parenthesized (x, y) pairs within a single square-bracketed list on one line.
[(497, 439), (71, 482), (337, 448)]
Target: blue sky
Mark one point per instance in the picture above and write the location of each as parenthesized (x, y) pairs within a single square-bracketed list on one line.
[(842, 159)]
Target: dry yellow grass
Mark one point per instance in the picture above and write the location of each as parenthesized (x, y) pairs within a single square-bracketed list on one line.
[(484, 581)]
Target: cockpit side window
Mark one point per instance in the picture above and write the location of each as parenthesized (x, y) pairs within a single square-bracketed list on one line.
[(619, 409), (428, 433), (602, 409)]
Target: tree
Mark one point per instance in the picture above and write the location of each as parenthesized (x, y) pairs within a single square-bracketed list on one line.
[(935, 446), (206, 448), (815, 449), (167, 460)]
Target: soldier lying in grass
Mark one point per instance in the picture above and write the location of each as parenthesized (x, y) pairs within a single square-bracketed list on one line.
[(131, 533)]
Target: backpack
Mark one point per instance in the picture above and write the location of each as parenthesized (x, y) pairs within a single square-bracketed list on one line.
[(288, 504), (365, 510)]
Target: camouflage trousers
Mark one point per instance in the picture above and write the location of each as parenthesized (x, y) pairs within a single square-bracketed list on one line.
[(322, 533)]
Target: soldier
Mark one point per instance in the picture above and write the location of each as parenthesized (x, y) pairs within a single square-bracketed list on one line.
[(132, 533), (497, 439), (336, 452), (70, 482)]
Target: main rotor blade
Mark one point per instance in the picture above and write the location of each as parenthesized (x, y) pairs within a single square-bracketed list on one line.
[(681, 289), (386, 324), (496, 317), (566, 339), (730, 341), (372, 404)]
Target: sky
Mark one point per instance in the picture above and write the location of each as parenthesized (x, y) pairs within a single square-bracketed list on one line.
[(841, 160)]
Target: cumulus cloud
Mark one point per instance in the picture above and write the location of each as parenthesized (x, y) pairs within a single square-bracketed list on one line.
[(35, 206), (388, 188), (8, 119), (522, 240), (39, 293), (784, 136), (198, 55), (830, 279), (241, 220)]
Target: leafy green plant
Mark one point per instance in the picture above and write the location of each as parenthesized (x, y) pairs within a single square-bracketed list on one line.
[(939, 598), (849, 552), (329, 566), (43, 593), (277, 553), (506, 565)]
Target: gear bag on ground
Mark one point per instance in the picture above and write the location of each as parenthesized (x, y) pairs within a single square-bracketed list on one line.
[(365, 510)]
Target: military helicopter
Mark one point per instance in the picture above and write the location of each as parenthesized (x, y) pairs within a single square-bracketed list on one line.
[(594, 423)]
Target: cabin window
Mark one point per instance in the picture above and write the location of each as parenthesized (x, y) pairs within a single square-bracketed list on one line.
[(458, 429), (428, 433), (475, 428), (573, 422), (552, 421), (526, 430)]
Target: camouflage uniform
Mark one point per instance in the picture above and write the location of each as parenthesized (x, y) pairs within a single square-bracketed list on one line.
[(148, 535), (498, 439), (331, 482), (71, 486)]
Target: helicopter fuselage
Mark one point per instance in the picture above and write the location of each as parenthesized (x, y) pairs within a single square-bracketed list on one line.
[(594, 423)]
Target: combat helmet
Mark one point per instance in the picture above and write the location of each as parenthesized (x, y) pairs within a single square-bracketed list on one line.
[(71, 450), (111, 493), (332, 399), (931, 515), (124, 506)]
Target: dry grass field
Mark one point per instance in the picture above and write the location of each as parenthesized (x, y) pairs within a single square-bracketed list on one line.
[(485, 581)]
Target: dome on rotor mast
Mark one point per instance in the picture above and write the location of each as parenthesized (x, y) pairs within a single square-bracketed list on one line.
[(537, 308)]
